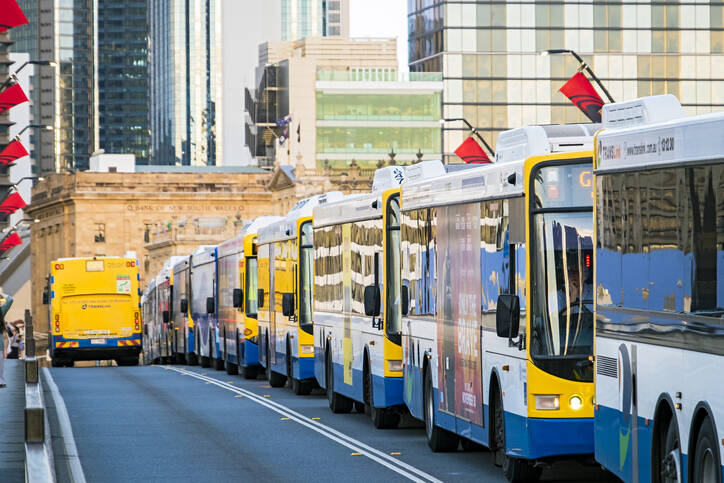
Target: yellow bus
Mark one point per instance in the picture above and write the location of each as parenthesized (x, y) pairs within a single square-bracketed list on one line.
[(95, 313)]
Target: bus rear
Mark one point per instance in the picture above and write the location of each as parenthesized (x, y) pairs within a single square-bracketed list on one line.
[(94, 310)]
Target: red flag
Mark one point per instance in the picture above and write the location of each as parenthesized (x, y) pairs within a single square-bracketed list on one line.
[(12, 96), (11, 152), (11, 15), (471, 152), (580, 91), (12, 203), (12, 240)]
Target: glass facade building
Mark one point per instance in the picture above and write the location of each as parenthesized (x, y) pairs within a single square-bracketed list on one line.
[(314, 18), (494, 77), (123, 78), (184, 81)]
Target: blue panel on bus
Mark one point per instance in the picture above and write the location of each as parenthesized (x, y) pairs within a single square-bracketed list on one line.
[(52, 294), (537, 438), (613, 444), (52, 279)]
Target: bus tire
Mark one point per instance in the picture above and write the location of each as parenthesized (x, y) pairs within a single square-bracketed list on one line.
[(231, 368), (667, 452), (382, 418), (338, 403), (249, 372), (127, 361), (192, 359), (516, 470), (219, 359), (58, 363), (439, 439), (706, 466), (360, 407), (275, 379)]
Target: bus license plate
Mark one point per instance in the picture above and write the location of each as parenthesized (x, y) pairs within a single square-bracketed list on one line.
[(98, 341)]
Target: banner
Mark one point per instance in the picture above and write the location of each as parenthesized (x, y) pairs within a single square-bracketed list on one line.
[(581, 93), (12, 203), (471, 152), (11, 97), (10, 241), (459, 315), (11, 15), (11, 152)]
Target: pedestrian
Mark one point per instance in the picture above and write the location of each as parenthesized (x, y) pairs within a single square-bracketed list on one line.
[(5, 302), (14, 342)]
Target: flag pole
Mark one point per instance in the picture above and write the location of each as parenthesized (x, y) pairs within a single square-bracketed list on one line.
[(583, 65), (473, 129)]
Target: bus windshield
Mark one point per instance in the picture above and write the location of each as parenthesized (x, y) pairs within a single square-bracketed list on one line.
[(562, 279), (251, 303), (306, 276)]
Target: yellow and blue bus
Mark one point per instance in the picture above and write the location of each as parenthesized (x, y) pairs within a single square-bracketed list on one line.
[(357, 338), (157, 304), (496, 301), (237, 299), (285, 256), (95, 310), (659, 257), (183, 346)]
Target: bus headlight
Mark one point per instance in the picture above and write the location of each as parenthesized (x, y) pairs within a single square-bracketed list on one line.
[(307, 349), (547, 402), (394, 365), (576, 402)]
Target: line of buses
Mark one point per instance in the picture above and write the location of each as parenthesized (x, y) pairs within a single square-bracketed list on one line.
[(567, 300)]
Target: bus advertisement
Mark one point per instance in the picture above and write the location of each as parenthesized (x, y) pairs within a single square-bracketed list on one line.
[(95, 310)]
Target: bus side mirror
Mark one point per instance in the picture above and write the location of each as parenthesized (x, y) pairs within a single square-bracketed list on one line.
[(507, 316), (288, 304), (145, 330), (46, 300), (405, 296), (260, 297), (238, 297), (372, 300), (210, 305), (165, 316), (184, 306)]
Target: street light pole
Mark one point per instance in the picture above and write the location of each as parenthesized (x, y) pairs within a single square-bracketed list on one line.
[(583, 65), (473, 129), (47, 127), (34, 62)]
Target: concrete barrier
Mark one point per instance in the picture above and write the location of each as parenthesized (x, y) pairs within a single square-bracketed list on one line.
[(39, 464)]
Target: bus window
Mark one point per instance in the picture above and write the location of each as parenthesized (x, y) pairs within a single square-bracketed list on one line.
[(306, 277), (392, 303)]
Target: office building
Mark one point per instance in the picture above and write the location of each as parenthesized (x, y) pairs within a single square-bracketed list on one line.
[(314, 18), (123, 78), (495, 78), (336, 103)]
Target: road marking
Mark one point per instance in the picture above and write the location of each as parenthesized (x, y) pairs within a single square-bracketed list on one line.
[(285, 419), (395, 454), (66, 430), (316, 419), (238, 395), (394, 464), (355, 454)]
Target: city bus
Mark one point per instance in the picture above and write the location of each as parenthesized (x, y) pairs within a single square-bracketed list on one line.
[(285, 260), (184, 347), (237, 296), (496, 303), (358, 356), (148, 319), (157, 302), (202, 306), (659, 278), (95, 310)]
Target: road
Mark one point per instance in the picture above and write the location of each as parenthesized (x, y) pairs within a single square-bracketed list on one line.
[(176, 423)]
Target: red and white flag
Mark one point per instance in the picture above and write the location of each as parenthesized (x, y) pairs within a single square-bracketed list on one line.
[(11, 152), (10, 241), (471, 152), (11, 97), (11, 15), (12, 203), (581, 93)]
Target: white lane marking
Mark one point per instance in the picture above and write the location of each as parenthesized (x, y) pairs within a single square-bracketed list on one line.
[(66, 430), (331, 433)]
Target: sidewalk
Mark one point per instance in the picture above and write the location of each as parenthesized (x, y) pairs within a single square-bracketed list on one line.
[(12, 424)]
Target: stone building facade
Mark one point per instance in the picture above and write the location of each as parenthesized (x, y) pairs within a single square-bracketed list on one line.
[(92, 213)]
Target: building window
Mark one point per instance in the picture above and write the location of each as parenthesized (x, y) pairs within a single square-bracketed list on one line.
[(100, 233)]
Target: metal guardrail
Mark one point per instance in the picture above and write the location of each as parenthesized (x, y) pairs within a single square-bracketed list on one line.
[(39, 464)]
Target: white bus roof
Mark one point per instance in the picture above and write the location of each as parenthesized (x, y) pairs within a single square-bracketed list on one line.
[(657, 134), (182, 264), (523, 142), (203, 254), (286, 228), (257, 224)]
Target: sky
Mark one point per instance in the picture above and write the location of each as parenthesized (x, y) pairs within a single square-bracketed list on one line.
[(381, 18)]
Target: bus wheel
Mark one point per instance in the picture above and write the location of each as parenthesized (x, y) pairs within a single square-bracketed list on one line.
[(439, 439), (301, 388), (360, 407), (231, 368), (707, 466), (219, 359), (219, 364), (58, 363), (516, 470), (669, 459), (129, 361), (275, 379), (337, 402), (382, 418), (249, 372), (192, 359)]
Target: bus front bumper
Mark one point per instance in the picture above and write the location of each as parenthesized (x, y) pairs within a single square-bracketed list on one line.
[(534, 438)]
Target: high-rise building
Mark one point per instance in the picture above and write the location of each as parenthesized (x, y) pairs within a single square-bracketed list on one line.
[(123, 78), (314, 18), (494, 77)]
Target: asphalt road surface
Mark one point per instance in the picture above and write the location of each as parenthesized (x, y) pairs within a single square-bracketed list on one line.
[(176, 423)]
